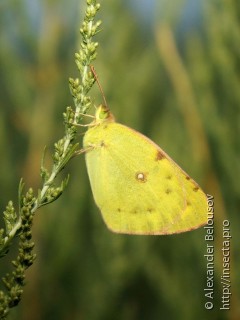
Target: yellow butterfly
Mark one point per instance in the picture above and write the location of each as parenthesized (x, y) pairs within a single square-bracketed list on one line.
[(136, 185)]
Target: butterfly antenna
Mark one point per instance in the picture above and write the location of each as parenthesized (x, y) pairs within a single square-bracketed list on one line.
[(98, 83)]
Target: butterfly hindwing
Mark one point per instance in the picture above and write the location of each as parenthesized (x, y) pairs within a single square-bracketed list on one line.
[(137, 186)]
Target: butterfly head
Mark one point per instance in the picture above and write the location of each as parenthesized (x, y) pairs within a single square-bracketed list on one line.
[(103, 114)]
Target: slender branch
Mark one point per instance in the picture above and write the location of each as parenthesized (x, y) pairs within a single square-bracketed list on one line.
[(19, 223)]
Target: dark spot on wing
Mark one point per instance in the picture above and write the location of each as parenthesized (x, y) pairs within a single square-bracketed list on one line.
[(169, 177), (159, 156), (134, 211), (167, 191), (188, 178), (196, 188)]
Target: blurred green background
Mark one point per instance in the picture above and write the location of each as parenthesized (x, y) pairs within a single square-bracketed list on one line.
[(170, 69)]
